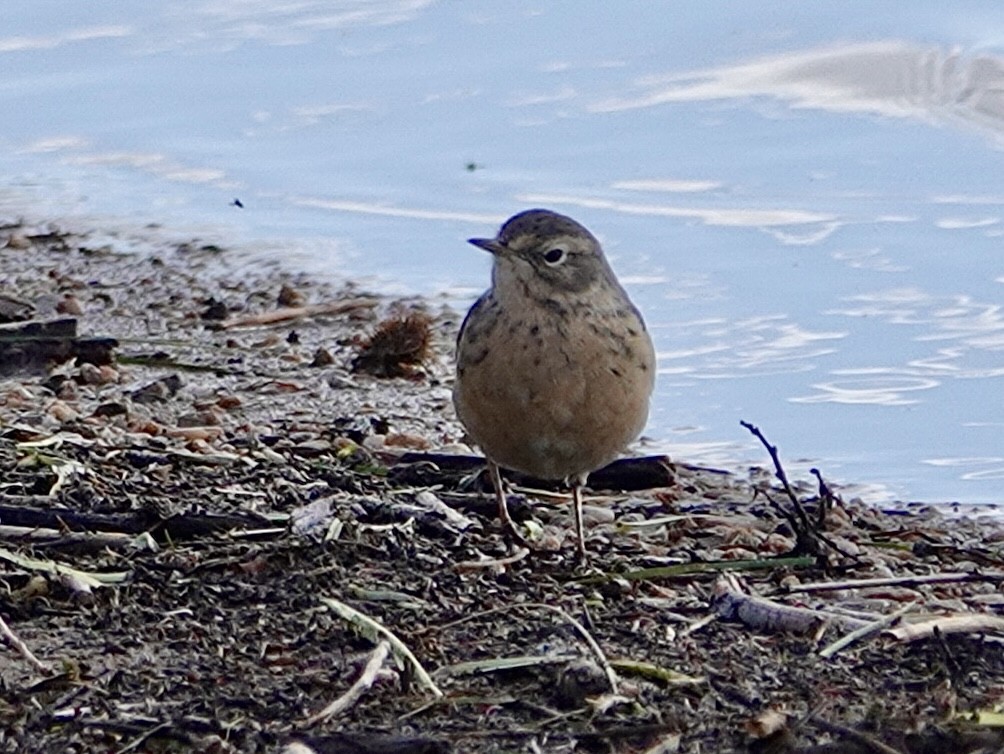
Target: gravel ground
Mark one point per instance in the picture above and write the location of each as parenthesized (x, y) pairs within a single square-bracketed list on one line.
[(212, 537)]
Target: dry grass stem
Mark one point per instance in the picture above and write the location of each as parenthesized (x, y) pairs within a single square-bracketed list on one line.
[(357, 689)]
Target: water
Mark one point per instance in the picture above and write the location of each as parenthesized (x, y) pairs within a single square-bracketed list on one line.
[(805, 200)]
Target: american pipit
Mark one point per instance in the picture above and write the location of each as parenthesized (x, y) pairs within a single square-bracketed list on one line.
[(554, 365)]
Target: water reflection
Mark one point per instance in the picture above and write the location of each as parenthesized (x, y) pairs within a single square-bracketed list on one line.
[(896, 79), (738, 217), (223, 23), (868, 259), (49, 42), (756, 346), (74, 151), (884, 391), (991, 467), (976, 325)]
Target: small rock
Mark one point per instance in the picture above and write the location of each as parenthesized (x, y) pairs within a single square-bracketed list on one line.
[(90, 374), (227, 402), (70, 304), (109, 374), (158, 391), (790, 581), (267, 342), (579, 680), (17, 241), (403, 440), (111, 408), (215, 310), (14, 309), (196, 435), (322, 358), (61, 412), (205, 418), (68, 391), (54, 382)]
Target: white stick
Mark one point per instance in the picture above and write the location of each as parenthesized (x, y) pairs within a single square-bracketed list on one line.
[(357, 689), (21, 647)]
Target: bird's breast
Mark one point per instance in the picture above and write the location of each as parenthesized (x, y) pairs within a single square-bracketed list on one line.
[(554, 388)]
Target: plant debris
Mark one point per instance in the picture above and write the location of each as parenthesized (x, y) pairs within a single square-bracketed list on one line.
[(400, 344), (223, 540)]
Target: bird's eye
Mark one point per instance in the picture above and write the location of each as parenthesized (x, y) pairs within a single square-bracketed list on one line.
[(554, 256)]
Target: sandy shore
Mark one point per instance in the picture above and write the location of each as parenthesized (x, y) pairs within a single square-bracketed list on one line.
[(208, 539)]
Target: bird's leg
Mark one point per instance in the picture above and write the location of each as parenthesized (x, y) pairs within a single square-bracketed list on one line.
[(577, 512), (507, 523)]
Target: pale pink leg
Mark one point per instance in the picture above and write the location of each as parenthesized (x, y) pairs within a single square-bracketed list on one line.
[(507, 523), (577, 505)]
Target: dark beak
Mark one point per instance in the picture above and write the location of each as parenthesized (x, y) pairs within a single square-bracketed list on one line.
[(488, 244)]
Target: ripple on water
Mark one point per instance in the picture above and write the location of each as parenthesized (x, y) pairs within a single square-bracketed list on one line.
[(884, 391)]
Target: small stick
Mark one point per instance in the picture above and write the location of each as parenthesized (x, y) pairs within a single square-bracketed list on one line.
[(593, 645), (933, 578), (826, 498), (474, 565), (601, 657), (779, 471), (865, 631), (356, 690), (807, 536), (697, 625), (371, 628), (142, 738), (21, 647), (278, 316)]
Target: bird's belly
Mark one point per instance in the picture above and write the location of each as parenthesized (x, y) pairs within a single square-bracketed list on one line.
[(560, 406)]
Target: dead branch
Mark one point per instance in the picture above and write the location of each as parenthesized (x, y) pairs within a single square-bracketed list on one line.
[(762, 614), (782, 477), (30, 346), (183, 526), (827, 500), (809, 536), (953, 624), (56, 538)]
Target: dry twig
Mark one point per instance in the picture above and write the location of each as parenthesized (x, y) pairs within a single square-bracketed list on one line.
[(953, 624), (933, 578), (21, 647), (474, 565), (809, 536), (356, 690), (865, 631), (286, 314), (372, 628)]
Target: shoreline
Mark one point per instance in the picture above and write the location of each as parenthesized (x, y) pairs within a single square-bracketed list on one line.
[(245, 479)]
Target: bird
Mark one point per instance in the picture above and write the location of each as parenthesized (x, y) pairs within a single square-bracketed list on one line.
[(555, 367)]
